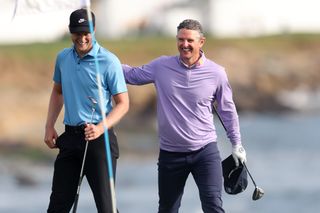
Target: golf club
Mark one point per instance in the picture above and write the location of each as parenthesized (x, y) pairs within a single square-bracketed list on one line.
[(75, 205), (258, 192)]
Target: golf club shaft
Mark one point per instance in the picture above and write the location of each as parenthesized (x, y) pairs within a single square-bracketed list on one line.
[(245, 166), (75, 205), (216, 111), (254, 183), (258, 192)]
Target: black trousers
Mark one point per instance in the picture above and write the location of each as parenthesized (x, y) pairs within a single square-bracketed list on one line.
[(67, 168)]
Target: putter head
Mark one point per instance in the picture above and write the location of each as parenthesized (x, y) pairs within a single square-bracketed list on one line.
[(258, 193)]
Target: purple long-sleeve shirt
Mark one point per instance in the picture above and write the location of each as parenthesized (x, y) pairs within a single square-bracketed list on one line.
[(184, 101)]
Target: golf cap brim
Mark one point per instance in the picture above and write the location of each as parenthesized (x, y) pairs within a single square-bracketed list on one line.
[(235, 178), (83, 29)]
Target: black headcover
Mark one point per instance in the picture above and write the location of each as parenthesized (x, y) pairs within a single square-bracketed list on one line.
[(235, 178)]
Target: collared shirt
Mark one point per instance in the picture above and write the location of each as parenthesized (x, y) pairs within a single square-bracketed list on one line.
[(197, 63), (78, 77), (184, 101)]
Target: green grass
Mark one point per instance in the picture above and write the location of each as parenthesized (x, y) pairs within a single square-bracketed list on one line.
[(145, 48), (41, 51)]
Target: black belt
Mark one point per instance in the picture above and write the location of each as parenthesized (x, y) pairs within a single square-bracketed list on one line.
[(80, 129), (75, 129)]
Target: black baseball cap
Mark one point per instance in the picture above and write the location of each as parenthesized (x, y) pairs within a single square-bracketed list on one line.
[(79, 21), (235, 178)]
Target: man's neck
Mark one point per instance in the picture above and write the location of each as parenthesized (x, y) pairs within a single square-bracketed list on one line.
[(191, 63)]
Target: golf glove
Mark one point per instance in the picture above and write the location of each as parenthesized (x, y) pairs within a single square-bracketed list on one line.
[(239, 154)]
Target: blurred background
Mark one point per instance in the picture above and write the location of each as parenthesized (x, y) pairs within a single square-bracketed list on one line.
[(271, 52)]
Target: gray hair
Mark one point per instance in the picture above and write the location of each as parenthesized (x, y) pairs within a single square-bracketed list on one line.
[(191, 24)]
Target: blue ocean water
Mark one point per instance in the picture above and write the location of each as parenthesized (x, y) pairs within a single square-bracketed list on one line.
[(282, 153)]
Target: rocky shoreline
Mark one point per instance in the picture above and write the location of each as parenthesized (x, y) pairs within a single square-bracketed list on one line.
[(275, 75), (264, 79)]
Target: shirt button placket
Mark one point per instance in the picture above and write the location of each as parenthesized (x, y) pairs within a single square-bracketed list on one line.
[(78, 64)]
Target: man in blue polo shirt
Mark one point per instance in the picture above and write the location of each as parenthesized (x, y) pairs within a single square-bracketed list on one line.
[(187, 85), (75, 79)]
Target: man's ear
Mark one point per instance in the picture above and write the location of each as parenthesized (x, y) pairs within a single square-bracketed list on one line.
[(202, 40)]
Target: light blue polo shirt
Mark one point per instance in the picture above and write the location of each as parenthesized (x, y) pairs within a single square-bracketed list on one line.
[(78, 77)]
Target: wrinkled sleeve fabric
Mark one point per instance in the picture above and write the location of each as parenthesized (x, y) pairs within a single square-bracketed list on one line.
[(144, 74), (227, 109)]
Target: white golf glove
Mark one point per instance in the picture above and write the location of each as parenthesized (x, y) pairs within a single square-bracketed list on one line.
[(239, 154)]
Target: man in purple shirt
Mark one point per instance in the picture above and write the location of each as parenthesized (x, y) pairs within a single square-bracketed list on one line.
[(187, 86)]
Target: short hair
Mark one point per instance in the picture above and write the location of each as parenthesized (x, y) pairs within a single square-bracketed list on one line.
[(191, 24)]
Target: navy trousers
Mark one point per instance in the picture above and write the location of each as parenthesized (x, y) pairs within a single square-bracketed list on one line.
[(205, 167), (67, 168)]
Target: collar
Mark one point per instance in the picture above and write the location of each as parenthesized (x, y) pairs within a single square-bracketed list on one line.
[(92, 52), (198, 63)]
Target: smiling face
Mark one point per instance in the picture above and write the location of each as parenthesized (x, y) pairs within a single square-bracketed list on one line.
[(189, 43), (82, 42)]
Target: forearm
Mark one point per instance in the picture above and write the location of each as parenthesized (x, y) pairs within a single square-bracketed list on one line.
[(138, 75), (119, 110), (55, 106), (233, 131), (229, 116), (227, 110)]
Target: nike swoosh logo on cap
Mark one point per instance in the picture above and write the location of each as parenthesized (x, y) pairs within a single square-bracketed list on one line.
[(81, 20)]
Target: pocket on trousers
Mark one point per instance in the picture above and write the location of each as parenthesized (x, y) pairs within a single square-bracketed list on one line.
[(59, 141)]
